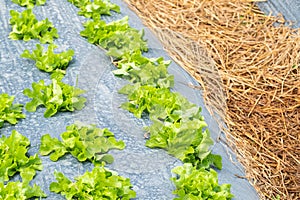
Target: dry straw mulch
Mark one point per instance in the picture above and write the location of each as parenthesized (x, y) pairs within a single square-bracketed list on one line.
[(256, 64)]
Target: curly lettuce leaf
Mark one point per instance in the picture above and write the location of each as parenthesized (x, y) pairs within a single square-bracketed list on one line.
[(49, 61), (56, 97), (193, 183), (9, 112), (145, 71), (25, 27), (19, 191), (79, 3), (86, 143), (178, 125), (29, 3), (100, 183), (97, 8), (14, 158), (117, 37), (52, 146)]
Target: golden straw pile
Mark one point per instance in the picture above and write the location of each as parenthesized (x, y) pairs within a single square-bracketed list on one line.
[(256, 64)]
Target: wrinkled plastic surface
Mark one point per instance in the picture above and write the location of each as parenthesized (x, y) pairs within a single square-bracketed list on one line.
[(288, 8), (91, 70)]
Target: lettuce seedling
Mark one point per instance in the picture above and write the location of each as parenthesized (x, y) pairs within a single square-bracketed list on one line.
[(97, 8), (29, 3), (8, 111), (86, 143), (100, 183), (57, 96), (117, 37), (49, 61), (19, 191), (193, 183), (14, 158), (25, 27)]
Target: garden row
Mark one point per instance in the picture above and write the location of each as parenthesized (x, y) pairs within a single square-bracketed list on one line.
[(177, 125), (86, 143)]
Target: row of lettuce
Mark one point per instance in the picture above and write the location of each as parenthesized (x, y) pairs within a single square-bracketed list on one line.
[(177, 125), (87, 143)]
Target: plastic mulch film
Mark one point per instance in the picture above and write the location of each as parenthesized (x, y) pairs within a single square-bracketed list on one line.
[(91, 69)]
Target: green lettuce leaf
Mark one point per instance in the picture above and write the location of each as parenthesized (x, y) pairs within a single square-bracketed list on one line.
[(79, 3), (14, 159), (100, 183), (145, 71), (192, 183), (57, 96), (29, 3), (8, 111), (178, 125), (19, 191), (49, 61), (25, 27), (86, 143), (52, 146), (97, 8), (117, 37)]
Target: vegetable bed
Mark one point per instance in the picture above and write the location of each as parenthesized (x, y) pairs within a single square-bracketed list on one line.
[(149, 170)]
